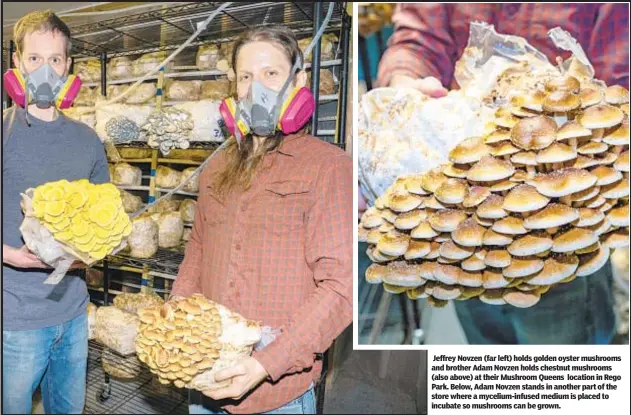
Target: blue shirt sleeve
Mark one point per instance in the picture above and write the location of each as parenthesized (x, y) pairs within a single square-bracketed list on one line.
[(100, 172)]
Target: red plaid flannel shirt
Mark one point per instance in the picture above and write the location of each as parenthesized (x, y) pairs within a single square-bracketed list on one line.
[(430, 37), (279, 253)]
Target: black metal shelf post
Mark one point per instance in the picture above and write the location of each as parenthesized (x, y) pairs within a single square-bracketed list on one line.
[(344, 79), (315, 66), (363, 57)]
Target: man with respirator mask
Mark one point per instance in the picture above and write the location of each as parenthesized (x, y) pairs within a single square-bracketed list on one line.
[(44, 333), (273, 231)]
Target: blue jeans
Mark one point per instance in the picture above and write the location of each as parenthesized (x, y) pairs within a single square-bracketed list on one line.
[(580, 312), (56, 356), (201, 404)]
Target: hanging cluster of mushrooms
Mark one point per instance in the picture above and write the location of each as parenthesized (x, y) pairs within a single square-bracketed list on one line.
[(541, 199)]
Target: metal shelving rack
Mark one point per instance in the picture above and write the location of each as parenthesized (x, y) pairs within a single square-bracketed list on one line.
[(166, 29)]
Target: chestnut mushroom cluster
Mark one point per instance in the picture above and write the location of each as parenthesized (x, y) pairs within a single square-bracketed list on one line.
[(541, 199), (180, 339)]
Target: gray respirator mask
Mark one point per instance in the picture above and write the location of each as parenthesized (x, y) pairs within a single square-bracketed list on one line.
[(43, 85)]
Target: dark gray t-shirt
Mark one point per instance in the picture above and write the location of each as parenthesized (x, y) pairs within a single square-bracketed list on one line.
[(31, 156)]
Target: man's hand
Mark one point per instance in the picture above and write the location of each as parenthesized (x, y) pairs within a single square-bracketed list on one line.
[(430, 86), (245, 375), (21, 258)]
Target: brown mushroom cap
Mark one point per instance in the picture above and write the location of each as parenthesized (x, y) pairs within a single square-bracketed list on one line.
[(450, 250), (534, 101), (596, 202), (589, 249), (606, 159), (555, 214), (592, 262), (423, 231), (457, 171), (534, 133), (590, 96), (433, 203), (417, 250), (521, 176), (490, 169), (555, 269), (493, 279), (575, 238), (468, 233), (492, 208), (475, 196), (497, 258), (616, 95), (618, 136), (446, 292), (556, 153), (523, 267), (492, 238), (562, 83), (388, 215), (622, 163), (586, 194), (625, 108), (523, 112), (393, 245), (572, 129), (374, 236), (493, 297), (510, 225), (506, 120), (521, 299), (416, 293), (563, 182), (432, 179), (504, 149), (606, 175), (592, 148), (616, 239), (524, 198), (619, 216), (526, 158), (497, 136), (410, 220), (470, 292), (470, 279), (616, 190), (404, 202), (375, 273), (452, 191), (583, 162), (469, 150), (600, 116), (561, 101), (530, 244), (403, 274), (386, 227), (362, 234), (503, 186), (371, 218), (447, 274), (427, 270), (414, 184), (394, 289), (473, 263), (447, 220)]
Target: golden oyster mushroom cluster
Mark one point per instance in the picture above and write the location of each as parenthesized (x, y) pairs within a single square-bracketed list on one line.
[(89, 218), (541, 199), (179, 339)]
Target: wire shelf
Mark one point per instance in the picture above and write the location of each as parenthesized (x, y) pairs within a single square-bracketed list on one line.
[(140, 394), (168, 28), (165, 261)]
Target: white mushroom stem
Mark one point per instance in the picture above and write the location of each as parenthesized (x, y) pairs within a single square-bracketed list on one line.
[(566, 200), (578, 204), (557, 166), (525, 214), (626, 175), (548, 166), (574, 143), (531, 171), (616, 149), (553, 230)]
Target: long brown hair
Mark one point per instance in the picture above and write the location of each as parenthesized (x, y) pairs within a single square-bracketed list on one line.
[(243, 161)]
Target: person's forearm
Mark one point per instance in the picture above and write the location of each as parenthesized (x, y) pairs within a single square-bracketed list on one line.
[(7, 255)]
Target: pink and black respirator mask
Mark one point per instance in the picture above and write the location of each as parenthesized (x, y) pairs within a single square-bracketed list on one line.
[(264, 111), (43, 87)]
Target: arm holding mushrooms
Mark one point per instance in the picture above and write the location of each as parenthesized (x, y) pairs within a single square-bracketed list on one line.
[(421, 53)]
